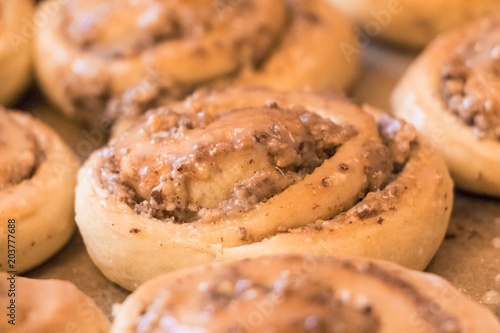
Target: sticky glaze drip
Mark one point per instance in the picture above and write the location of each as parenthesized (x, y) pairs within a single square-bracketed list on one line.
[(431, 312), (190, 166), (470, 81)]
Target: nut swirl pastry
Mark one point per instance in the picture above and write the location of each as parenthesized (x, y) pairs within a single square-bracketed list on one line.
[(244, 172), (15, 59), (94, 54), (413, 23), (450, 93), (301, 294), (37, 180), (47, 306)]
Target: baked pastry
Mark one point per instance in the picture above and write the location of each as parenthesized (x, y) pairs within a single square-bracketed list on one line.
[(47, 306), (37, 181), (15, 41), (412, 23), (301, 294), (94, 55), (245, 172), (450, 93)]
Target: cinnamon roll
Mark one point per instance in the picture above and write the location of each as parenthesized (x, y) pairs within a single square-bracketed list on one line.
[(15, 40), (242, 173), (301, 294), (450, 93), (93, 54), (37, 180), (412, 23), (47, 306)]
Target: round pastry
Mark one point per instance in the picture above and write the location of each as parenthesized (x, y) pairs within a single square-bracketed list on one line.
[(47, 306), (93, 55), (37, 180), (412, 23), (15, 40), (450, 93), (241, 173), (301, 294)]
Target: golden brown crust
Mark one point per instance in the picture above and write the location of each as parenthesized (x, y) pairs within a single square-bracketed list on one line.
[(38, 174), (410, 23), (167, 207), (301, 294), (15, 40), (47, 306), (121, 56), (449, 94)]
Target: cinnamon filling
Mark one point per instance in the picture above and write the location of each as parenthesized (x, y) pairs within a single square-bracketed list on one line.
[(190, 165), (470, 81), (399, 138), (18, 152)]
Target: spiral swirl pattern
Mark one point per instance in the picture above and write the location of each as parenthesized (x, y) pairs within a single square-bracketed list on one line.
[(245, 172), (37, 176)]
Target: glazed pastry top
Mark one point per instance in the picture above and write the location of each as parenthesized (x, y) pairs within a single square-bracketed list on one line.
[(125, 28), (189, 163), (470, 85)]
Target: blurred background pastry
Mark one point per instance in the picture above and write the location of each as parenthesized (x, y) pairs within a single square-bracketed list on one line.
[(98, 59), (37, 181), (246, 172), (451, 94), (16, 35)]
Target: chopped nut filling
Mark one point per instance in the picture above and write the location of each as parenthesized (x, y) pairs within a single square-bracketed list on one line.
[(182, 165), (470, 82)]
